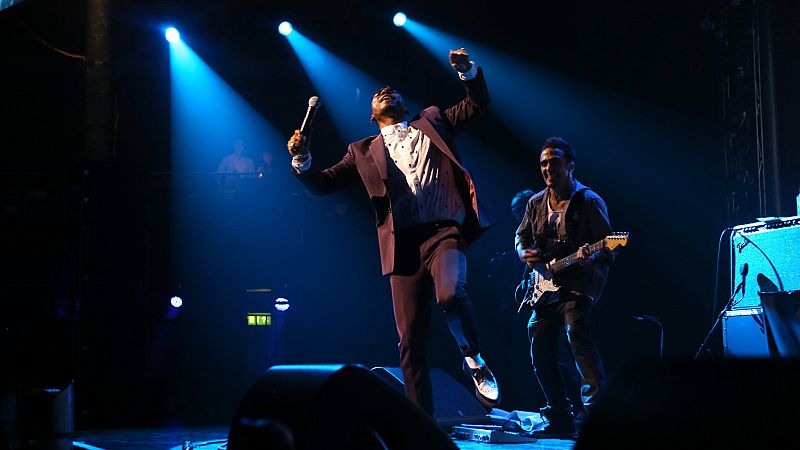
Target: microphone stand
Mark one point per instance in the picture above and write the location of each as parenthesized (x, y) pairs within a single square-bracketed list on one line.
[(727, 307), (656, 321), (661, 339)]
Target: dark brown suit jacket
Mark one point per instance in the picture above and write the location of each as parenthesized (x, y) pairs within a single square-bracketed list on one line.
[(366, 159)]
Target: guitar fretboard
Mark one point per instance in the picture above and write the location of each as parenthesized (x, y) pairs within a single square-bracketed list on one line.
[(567, 261)]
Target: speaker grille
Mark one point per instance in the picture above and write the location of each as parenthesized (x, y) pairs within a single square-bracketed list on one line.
[(780, 242)]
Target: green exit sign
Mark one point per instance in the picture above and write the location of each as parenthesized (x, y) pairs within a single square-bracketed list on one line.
[(256, 319)]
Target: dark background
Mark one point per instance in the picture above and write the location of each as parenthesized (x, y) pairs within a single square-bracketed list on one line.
[(93, 249)]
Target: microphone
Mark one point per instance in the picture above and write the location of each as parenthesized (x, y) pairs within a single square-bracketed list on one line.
[(743, 272), (313, 105), (743, 269), (308, 120)]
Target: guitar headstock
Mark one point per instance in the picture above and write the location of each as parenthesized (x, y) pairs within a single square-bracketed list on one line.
[(619, 238)]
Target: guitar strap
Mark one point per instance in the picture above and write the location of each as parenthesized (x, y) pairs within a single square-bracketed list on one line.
[(573, 218)]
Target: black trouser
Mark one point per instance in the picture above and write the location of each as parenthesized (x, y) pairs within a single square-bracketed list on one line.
[(429, 259), (570, 313)]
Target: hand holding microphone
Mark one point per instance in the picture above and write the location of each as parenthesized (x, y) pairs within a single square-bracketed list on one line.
[(297, 144)]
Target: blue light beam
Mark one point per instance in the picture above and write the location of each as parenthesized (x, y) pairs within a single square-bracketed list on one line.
[(534, 102), (208, 115), (345, 91), (524, 96)]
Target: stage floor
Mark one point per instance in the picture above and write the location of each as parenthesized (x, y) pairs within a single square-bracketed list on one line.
[(211, 438)]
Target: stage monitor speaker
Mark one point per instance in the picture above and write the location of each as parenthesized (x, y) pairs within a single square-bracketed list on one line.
[(331, 407), (744, 334), (697, 404), (779, 241), (452, 403)]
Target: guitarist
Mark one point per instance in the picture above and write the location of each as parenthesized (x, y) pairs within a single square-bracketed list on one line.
[(562, 219)]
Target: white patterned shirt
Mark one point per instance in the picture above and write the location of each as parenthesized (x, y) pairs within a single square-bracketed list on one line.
[(432, 195)]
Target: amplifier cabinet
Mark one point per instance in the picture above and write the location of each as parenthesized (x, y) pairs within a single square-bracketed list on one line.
[(743, 333), (779, 241)]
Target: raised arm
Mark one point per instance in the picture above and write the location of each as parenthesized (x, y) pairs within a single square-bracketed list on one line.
[(477, 93)]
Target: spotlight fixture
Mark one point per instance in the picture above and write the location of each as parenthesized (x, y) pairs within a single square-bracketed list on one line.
[(172, 35), (281, 304), (399, 19), (176, 301), (285, 28)]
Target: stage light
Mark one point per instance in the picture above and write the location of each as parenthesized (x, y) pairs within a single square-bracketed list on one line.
[(399, 19), (176, 301), (281, 304), (285, 28), (345, 88), (172, 35)]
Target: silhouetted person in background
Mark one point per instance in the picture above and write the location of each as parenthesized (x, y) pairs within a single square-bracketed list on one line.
[(230, 169), (265, 164), (236, 162), (520, 203)]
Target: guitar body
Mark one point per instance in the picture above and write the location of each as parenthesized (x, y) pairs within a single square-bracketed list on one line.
[(543, 278)]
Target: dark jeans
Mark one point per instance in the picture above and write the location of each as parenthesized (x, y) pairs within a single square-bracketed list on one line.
[(429, 260), (570, 313)]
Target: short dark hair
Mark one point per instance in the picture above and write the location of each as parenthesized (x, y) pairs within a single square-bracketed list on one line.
[(383, 88), (519, 204), (561, 144), (524, 194)]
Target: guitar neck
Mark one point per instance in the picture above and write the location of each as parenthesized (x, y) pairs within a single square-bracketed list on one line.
[(567, 261)]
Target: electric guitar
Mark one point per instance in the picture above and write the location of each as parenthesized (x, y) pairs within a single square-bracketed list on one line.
[(540, 279)]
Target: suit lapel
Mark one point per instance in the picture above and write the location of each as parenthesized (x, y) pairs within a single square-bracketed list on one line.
[(425, 126), (378, 151)]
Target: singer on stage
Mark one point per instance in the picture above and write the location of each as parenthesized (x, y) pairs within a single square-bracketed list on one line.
[(427, 212)]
